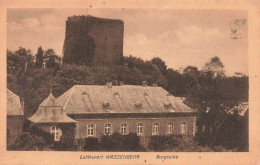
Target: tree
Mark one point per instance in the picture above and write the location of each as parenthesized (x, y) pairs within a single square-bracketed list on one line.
[(176, 82), (191, 71), (30, 142), (215, 66), (29, 59), (160, 64), (39, 58), (213, 99), (12, 62), (51, 59), (25, 59)]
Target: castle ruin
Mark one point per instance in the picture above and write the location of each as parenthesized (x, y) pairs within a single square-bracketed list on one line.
[(93, 41)]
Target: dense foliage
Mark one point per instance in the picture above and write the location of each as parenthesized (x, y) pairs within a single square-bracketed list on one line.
[(35, 138), (30, 142), (114, 142), (209, 91), (179, 143), (91, 144), (46, 136)]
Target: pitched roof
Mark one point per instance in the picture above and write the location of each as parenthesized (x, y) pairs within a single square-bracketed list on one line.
[(50, 101), (13, 104), (50, 111), (85, 99)]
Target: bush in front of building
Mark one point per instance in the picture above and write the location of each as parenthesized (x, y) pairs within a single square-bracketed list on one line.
[(179, 143), (34, 138), (114, 142), (48, 137), (118, 142), (164, 142), (91, 144), (30, 142)]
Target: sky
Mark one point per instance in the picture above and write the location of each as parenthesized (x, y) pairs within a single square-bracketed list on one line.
[(179, 37)]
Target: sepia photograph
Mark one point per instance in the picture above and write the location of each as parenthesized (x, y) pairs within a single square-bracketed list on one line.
[(136, 80), (129, 82)]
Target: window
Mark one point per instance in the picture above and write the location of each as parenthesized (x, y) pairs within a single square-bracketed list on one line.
[(183, 128), (170, 127), (140, 128), (56, 132), (155, 129), (91, 129), (123, 129), (107, 129)]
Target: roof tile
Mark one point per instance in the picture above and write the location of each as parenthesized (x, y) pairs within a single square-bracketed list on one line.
[(50, 111), (13, 104), (85, 99)]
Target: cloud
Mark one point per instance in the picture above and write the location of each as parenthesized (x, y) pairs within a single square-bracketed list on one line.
[(28, 24), (176, 45), (195, 35)]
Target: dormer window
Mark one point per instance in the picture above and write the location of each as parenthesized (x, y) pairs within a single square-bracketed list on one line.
[(106, 105), (119, 100), (84, 93), (138, 105), (168, 106), (86, 100)]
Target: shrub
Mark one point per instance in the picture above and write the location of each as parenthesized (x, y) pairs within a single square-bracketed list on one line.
[(176, 143), (66, 143), (48, 137), (163, 142), (118, 142), (31, 142), (91, 144)]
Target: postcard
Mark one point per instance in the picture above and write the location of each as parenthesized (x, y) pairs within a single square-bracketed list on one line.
[(130, 82)]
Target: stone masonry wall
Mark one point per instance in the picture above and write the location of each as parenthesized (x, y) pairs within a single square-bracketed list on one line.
[(93, 41), (14, 128), (132, 125)]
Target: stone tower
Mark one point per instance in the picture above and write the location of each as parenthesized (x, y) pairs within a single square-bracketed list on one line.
[(93, 41)]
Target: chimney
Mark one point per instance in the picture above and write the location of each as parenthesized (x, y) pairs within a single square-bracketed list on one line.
[(22, 104), (121, 83), (109, 84), (144, 84), (154, 84)]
